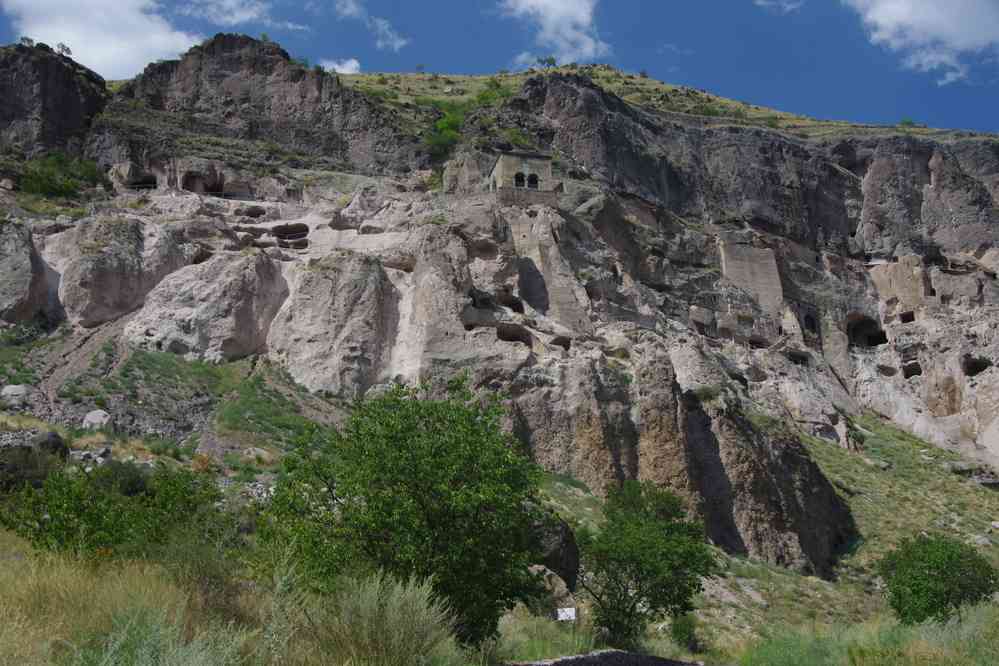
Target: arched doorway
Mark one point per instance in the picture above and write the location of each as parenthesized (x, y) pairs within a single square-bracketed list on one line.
[(533, 182)]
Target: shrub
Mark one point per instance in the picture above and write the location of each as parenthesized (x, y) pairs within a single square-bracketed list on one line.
[(683, 632), (57, 175), (114, 509), (932, 577), (432, 489), (379, 621), (20, 466), (647, 561), (154, 639)]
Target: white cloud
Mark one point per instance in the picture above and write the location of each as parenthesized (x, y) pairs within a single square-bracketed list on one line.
[(565, 28), (115, 38), (230, 13), (386, 36), (350, 9), (345, 66), (933, 35), (782, 6)]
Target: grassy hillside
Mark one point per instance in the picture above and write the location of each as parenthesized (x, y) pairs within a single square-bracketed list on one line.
[(409, 94)]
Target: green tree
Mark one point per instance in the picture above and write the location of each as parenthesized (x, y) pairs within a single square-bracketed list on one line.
[(548, 61), (647, 561), (932, 577), (421, 488)]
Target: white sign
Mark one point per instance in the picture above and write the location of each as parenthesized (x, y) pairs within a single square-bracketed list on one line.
[(565, 614)]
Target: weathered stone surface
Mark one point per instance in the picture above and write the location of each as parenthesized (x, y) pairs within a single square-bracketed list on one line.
[(14, 396), (49, 100), (22, 290), (218, 310), (96, 420), (336, 330), (304, 110)]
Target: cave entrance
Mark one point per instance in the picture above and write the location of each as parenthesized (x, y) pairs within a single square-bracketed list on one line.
[(866, 333), (514, 333), (143, 181), (201, 184), (974, 366), (799, 358)]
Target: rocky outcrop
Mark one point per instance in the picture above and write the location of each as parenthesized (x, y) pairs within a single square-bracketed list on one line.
[(102, 269), (50, 101), (22, 290), (219, 310), (236, 87), (334, 333)]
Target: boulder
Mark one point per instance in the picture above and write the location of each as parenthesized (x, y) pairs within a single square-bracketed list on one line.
[(338, 326), (22, 283), (218, 310), (14, 396), (96, 419), (109, 265)]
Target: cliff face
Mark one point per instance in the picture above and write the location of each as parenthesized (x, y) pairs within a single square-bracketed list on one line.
[(49, 101), (236, 88), (700, 298)]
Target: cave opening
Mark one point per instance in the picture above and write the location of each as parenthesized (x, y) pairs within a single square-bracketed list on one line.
[(799, 358), (563, 342), (973, 366), (866, 333), (910, 370), (907, 317), (513, 333)]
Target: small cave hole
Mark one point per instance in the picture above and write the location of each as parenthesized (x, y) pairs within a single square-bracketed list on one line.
[(907, 317), (563, 342), (533, 182), (973, 366), (913, 369), (758, 343), (810, 324), (799, 358), (887, 371), (514, 333)]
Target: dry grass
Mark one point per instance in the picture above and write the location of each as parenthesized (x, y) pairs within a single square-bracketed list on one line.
[(49, 604)]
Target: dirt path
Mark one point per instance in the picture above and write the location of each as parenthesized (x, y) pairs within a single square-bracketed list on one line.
[(73, 356)]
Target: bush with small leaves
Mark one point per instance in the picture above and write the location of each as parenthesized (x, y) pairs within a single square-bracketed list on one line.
[(115, 509), (933, 577), (647, 561), (424, 488)]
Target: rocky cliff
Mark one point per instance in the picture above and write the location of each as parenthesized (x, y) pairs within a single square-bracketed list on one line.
[(49, 101), (686, 303)]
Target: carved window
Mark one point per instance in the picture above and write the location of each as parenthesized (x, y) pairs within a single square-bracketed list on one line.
[(519, 180), (533, 182)]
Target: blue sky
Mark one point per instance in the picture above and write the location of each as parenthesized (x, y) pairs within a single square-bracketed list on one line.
[(935, 61)]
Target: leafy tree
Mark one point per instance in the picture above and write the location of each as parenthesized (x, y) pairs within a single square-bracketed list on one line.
[(27, 41), (64, 50), (418, 487), (548, 61), (264, 37), (648, 560), (932, 577)]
